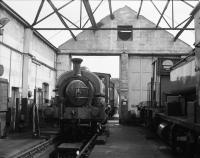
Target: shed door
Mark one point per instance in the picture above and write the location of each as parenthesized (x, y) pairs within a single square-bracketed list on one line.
[(15, 109), (140, 71)]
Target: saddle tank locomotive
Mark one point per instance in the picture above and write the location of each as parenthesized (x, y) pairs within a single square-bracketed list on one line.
[(81, 97)]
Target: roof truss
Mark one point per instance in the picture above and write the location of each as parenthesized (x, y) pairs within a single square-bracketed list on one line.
[(139, 9), (90, 13), (38, 21), (162, 14), (61, 18), (110, 9), (184, 27), (93, 14), (38, 12)]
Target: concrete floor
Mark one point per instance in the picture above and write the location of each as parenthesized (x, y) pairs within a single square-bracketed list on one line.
[(17, 143), (129, 142)]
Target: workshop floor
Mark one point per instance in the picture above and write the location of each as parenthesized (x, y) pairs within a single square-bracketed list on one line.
[(129, 142), (17, 143)]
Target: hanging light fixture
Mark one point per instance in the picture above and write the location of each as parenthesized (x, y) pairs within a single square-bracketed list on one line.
[(3, 22)]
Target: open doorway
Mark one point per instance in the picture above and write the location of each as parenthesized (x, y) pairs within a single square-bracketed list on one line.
[(108, 65), (15, 108), (103, 64)]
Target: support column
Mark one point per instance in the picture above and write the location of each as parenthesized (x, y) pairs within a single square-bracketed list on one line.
[(197, 66), (63, 64), (123, 114), (28, 34)]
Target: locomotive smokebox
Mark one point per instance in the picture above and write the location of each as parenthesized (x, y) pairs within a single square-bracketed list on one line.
[(76, 66)]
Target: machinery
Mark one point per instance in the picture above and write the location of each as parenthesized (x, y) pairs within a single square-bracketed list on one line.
[(172, 110)]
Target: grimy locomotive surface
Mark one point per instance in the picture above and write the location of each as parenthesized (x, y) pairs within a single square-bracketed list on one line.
[(81, 97)]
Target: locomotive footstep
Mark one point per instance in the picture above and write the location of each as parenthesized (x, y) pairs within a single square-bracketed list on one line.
[(67, 149)]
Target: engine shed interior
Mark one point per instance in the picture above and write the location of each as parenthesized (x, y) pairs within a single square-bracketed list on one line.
[(103, 78)]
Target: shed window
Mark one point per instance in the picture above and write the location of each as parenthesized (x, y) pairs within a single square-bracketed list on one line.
[(125, 33)]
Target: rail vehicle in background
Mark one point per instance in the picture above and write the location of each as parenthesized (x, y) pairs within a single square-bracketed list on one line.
[(172, 108), (105, 78), (111, 94), (114, 100)]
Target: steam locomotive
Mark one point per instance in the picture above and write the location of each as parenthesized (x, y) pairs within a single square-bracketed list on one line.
[(81, 98)]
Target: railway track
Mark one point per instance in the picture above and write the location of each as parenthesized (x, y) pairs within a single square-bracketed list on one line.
[(74, 150), (50, 149), (31, 152), (87, 148)]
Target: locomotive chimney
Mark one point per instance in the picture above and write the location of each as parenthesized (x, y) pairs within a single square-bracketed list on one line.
[(76, 66)]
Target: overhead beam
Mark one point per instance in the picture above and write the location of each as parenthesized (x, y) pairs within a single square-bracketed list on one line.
[(61, 19), (38, 12), (89, 13), (139, 9), (184, 27), (166, 5), (110, 8), (100, 28)]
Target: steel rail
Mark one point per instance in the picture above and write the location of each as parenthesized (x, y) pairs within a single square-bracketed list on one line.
[(29, 153), (87, 146)]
